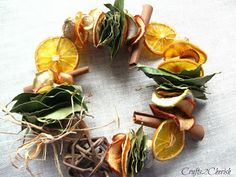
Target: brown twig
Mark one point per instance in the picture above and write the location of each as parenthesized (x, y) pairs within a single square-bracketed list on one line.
[(87, 155)]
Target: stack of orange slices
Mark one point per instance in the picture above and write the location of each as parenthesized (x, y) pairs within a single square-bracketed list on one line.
[(179, 55)]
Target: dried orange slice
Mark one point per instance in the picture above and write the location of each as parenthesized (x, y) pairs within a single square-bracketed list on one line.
[(185, 49), (97, 28), (176, 65), (158, 37), (168, 141), (58, 54), (124, 156), (81, 33), (95, 13)]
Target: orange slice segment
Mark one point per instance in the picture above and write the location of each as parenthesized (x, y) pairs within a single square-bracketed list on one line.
[(124, 157), (95, 13), (81, 33), (176, 65), (97, 28), (158, 37), (185, 49), (168, 141), (56, 53)]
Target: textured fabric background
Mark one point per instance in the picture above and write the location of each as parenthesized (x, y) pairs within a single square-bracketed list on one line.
[(112, 86)]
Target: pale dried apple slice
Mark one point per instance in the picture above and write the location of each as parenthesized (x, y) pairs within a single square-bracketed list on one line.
[(141, 28), (187, 105), (132, 27), (162, 114), (185, 124), (169, 101), (113, 156), (181, 119)]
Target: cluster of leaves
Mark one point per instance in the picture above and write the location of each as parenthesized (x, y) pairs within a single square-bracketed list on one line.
[(138, 152), (112, 28), (178, 82), (51, 107)]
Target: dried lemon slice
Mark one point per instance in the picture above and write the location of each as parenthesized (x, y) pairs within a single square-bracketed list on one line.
[(168, 141), (158, 36), (58, 54), (185, 49)]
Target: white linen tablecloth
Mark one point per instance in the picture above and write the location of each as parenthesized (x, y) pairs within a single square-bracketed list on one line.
[(112, 86)]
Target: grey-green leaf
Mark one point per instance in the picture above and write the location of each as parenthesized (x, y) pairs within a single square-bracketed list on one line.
[(192, 73), (60, 114), (119, 4)]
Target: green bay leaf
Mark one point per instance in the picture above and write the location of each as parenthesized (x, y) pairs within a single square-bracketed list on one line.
[(172, 82), (27, 107), (60, 114)]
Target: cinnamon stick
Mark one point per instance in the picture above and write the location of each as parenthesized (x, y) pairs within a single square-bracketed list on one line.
[(74, 74), (79, 71), (146, 15), (196, 132), (146, 120)]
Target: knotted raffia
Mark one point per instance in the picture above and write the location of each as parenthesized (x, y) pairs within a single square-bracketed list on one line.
[(35, 143)]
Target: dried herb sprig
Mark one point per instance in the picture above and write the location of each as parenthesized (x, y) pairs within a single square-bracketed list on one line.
[(138, 150), (178, 82), (112, 29), (51, 109)]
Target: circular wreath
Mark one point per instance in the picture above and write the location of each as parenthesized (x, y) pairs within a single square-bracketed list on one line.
[(54, 109)]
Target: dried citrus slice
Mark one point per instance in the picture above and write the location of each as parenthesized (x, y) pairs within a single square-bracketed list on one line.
[(95, 13), (124, 156), (176, 65), (185, 49), (168, 141), (97, 28), (158, 36), (87, 22), (58, 54), (81, 33)]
